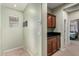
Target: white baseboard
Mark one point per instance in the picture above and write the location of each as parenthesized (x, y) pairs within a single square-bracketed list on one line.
[(12, 49), (29, 52)]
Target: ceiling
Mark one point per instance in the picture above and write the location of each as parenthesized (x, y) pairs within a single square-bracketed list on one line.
[(73, 8), (53, 5), (17, 6), (21, 6)]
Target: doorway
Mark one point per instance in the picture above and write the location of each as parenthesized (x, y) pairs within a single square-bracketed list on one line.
[(74, 31)]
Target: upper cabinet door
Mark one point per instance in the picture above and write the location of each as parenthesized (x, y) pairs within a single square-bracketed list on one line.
[(51, 21)]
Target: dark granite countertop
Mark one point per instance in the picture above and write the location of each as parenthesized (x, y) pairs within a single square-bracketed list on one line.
[(49, 34)]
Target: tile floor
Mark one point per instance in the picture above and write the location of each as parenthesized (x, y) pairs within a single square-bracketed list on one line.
[(70, 50), (17, 52)]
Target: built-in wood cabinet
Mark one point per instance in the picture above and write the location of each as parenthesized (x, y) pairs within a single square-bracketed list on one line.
[(49, 45), (51, 21), (53, 44), (58, 42)]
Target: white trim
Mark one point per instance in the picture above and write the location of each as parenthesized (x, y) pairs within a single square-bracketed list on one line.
[(12, 49), (29, 52)]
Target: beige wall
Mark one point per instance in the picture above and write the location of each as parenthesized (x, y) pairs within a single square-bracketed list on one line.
[(32, 33), (11, 37)]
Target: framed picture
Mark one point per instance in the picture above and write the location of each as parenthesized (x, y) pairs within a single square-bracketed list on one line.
[(13, 21), (25, 24)]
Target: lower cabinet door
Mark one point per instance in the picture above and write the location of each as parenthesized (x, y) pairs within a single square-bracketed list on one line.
[(49, 47), (54, 44), (58, 42)]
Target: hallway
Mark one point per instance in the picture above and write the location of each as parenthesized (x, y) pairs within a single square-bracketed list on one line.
[(71, 50)]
